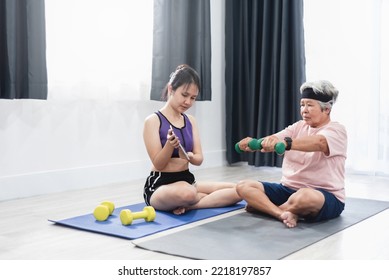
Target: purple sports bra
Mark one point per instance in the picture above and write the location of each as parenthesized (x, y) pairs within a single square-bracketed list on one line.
[(185, 134)]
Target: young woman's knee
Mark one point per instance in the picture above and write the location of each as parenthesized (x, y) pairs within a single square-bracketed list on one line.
[(188, 196)]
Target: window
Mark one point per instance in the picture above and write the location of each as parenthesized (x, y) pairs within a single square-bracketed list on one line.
[(99, 49)]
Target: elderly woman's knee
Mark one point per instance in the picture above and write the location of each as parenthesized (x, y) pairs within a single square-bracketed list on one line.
[(307, 197), (244, 186)]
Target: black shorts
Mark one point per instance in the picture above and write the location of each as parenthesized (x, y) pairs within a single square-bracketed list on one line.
[(157, 179)]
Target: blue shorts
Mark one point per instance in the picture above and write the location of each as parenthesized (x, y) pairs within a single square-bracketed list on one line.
[(279, 194)]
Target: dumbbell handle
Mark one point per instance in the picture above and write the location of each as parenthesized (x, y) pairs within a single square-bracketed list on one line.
[(139, 215), (256, 145)]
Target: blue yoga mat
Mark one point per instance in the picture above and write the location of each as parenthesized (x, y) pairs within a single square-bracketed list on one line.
[(140, 228)]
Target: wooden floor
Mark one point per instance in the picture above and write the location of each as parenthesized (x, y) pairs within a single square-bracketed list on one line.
[(26, 233)]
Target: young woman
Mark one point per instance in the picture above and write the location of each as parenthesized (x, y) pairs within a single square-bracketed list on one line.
[(172, 141)]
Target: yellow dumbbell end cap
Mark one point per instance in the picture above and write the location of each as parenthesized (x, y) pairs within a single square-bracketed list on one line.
[(101, 213), (126, 217), (150, 213), (110, 206)]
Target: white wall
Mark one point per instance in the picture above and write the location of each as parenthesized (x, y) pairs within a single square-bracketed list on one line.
[(64, 144)]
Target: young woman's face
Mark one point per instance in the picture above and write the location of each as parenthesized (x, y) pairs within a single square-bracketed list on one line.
[(312, 113), (184, 97)]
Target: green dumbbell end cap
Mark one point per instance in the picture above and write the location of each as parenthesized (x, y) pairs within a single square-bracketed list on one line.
[(255, 145), (237, 149), (101, 213), (280, 148)]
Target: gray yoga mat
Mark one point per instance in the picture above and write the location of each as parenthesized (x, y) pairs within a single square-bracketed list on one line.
[(251, 236)]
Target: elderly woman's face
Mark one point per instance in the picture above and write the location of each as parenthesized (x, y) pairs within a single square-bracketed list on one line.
[(312, 113)]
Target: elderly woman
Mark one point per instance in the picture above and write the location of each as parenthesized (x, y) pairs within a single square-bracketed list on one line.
[(312, 183)]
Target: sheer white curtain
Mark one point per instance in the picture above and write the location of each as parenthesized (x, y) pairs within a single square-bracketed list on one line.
[(347, 43), (383, 128), (99, 48)]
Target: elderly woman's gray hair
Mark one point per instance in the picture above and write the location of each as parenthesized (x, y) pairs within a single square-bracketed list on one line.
[(322, 90)]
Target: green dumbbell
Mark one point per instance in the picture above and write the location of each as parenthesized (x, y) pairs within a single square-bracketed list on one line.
[(256, 145), (104, 210)]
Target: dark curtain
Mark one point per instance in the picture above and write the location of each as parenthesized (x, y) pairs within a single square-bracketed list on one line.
[(265, 66), (23, 72), (182, 34)]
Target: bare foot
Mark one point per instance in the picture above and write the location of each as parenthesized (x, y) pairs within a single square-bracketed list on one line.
[(179, 210), (289, 219)]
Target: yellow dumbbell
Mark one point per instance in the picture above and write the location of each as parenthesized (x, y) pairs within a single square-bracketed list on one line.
[(126, 216), (104, 210)]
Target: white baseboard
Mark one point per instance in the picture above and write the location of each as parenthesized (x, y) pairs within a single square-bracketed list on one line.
[(54, 181)]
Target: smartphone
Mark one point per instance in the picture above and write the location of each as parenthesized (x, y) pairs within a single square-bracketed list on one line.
[(181, 147)]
